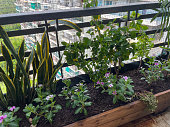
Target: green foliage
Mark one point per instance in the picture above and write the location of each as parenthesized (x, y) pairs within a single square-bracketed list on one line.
[(12, 27), (120, 89), (7, 6), (165, 23), (110, 46), (43, 66), (16, 41), (149, 99), (90, 3), (132, 16), (166, 66), (144, 43), (67, 23), (9, 120), (46, 107), (76, 96), (17, 81), (153, 72), (119, 48)]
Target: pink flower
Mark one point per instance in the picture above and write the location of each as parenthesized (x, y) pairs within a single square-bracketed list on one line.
[(107, 75), (125, 78), (156, 64), (48, 97), (12, 108), (98, 82), (102, 83), (114, 92), (2, 118), (111, 85)]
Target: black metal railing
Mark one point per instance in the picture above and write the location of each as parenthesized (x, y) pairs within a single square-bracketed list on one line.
[(60, 14)]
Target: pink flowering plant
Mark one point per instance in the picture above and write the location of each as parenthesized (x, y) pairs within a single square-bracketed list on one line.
[(8, 119), (76, 96), (153, 72), (120, 89), (46, 107)]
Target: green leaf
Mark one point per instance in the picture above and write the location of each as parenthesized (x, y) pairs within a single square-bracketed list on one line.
[(21, 52), (58, 107), (88, 103), (2, 125), (155, 16), (39, 51), (114, 100), (28, 114), (78, 34), (35, 120), (11, 90), (43, 44), (16, 109), (66, 22), (85, 111), (50, 66), (60, 95), (8, 58), (29, 61), (1, 70), (37, 100), (78, 110), (49, 117), (3, 101), (68, 104), (54, 75), (13, 124), (11, 48), (26, 110), (41, 72)]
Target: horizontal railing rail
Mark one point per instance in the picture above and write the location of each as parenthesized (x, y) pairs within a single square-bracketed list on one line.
[(64, 27), (71, 13)]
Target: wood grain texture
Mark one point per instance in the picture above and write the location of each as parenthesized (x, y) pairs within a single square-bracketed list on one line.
[(159, 120), (123, 114)]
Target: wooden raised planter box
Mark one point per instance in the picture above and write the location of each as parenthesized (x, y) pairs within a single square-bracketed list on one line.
[(123, 114)]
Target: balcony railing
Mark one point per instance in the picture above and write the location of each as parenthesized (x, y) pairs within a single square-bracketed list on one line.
[(60, 14)]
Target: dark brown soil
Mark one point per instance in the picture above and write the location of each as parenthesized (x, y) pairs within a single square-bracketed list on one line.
[(101, 102)]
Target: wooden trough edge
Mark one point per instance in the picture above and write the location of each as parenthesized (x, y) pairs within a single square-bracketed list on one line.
[(124, 114)]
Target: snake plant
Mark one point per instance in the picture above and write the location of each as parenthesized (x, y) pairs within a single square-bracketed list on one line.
[(16, 80), (43, 65)]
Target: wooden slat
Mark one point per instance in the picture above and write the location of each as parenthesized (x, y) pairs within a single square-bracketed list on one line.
[(123, 114), (159, 120)]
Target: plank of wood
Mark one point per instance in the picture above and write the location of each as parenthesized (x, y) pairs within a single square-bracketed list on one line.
[(110, 115), (160, 120), (166, 116), (123, 114)]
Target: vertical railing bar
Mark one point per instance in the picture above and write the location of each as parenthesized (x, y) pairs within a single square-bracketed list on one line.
[(128, 17), (119, 24), (46, 25), (136, 16), (56, 31)]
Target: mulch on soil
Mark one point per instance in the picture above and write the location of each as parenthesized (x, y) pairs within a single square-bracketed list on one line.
[(101, 102)]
